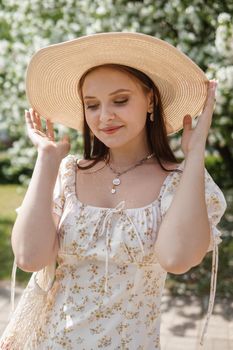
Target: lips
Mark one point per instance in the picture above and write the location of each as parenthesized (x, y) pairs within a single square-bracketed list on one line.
[(111, 129)]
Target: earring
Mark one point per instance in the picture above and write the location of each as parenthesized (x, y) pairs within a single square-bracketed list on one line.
[(151, 116)]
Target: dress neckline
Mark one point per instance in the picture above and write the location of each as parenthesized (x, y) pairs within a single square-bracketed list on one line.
[(153, 203)]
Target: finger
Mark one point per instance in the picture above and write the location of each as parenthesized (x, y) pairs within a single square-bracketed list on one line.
[(210, 100), (38, 121), (33, 118), (49, 129), (187, 122), (38, 132), (29, 124), (65, 138), (28, 119)]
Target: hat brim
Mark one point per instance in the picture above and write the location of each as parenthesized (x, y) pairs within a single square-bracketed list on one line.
[(54, 72)]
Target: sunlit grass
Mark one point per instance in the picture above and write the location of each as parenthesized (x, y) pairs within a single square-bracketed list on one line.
[(11, 197)]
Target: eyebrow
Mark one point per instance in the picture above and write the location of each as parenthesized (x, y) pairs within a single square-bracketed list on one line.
[(112, 93)]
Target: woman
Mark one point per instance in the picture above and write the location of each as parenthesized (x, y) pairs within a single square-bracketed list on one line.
[(127, 213)]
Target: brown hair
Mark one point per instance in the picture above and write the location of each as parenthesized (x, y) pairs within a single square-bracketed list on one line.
[(157, 138)]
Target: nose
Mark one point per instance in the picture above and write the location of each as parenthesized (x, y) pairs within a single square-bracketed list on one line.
[(106, 114)]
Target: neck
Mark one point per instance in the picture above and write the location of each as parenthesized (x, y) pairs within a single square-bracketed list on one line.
[(128, 155)]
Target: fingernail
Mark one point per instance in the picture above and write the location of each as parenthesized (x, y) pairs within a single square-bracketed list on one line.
[(213, 84), (25, 111)]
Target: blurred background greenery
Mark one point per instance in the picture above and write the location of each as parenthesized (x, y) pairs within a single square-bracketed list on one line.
[(201, 29)]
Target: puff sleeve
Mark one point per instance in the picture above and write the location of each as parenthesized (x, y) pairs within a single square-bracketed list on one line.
[(215, 201), (216, 206)]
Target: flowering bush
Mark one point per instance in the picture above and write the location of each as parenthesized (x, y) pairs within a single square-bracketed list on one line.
[(203, 32)]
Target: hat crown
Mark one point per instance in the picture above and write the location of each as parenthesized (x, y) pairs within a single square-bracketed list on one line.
[(54, 72)]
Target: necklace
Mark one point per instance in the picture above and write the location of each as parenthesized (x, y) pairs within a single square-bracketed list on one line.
[(116, 181)]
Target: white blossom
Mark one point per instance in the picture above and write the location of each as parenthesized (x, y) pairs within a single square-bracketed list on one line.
[(224, 17), (36, 24), (224, 36), (225, 77)]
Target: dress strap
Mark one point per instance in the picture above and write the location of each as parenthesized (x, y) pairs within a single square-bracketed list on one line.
[(13, 278), (212, 290)]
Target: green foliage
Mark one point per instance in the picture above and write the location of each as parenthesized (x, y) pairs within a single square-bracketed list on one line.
[(10, 173), (218, 170), (203, 31)]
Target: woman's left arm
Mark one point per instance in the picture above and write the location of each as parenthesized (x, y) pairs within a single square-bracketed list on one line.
[(184, 234)]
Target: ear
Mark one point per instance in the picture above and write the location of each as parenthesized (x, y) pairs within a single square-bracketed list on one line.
[(150, 101)]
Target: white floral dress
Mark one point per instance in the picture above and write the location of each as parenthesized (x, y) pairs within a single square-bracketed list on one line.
[(108, 281)]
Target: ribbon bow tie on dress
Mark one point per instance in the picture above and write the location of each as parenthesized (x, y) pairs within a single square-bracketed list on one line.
[(106, 230)]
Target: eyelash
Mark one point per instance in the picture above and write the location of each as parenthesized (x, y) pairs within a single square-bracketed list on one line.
[(117, 102)]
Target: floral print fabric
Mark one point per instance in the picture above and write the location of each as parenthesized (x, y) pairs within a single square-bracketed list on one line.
[(108, 281)]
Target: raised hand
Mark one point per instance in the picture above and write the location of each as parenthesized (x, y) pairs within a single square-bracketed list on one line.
[(194, 139), (44, 141)]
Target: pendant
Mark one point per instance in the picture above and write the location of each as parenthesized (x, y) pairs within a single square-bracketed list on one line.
[(116, 182)]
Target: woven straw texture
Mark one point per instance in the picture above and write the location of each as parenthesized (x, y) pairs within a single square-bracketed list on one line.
[(53, 74)]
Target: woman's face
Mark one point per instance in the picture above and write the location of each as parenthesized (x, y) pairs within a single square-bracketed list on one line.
[(113, 99)]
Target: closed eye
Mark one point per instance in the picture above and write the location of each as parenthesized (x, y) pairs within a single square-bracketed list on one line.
[(117, 102)]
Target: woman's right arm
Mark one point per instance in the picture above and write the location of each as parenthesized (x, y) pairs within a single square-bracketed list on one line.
[(34, 239)]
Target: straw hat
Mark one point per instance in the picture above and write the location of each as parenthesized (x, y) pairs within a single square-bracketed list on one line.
[(54, 71)]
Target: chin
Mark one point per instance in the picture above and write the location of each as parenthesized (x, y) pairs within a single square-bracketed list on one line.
[(112, 144), (112, 141)]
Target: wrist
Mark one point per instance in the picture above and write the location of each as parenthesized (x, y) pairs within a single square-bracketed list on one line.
[(49, 156), (197, 157), (197, 152)]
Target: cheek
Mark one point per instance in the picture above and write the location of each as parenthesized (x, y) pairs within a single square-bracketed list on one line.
[(91, 121), (137, 119)]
